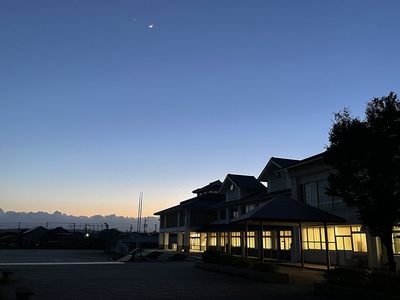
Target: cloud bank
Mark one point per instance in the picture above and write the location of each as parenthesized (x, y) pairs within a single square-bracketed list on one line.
[(13, 220)]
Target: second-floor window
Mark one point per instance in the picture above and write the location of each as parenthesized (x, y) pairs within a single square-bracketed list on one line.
[(313, 193), (234, 212)]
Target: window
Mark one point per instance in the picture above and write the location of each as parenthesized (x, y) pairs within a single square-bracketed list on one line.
[(213, 239), (339, 238), (249, 207), (396, 239), (285, 239), (267, 242), (314, 238), (223, 239), (194, 241), (234, 213), (314, 194), (235, 239), (251, 239)]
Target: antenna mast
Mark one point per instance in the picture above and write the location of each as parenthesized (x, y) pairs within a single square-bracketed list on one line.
[(139, 222)]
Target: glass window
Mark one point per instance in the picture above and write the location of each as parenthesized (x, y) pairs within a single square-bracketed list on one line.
[(359, 242), (235, 239), (267, 242), (249, 207), (314, 238), (344, 230), (213, 239), (285, 239), (344, 243), (396, 239), (223, 239), (194, 241), (251, 239), (234, 212)]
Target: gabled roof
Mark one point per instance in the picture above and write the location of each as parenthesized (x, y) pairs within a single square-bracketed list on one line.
[(241, 181), (212, 186), (37, 228), (313, 158), (276, 163), (285, 210)]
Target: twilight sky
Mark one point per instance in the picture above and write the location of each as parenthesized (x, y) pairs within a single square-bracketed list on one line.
[(96, 106)]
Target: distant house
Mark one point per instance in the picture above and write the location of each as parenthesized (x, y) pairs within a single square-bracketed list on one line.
[(284, 214), (59, 238), (35, 237)]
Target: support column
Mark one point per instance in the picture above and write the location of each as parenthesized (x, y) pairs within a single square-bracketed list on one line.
[(246, 246), (301, 246), (179, 241), (260, 243), (203, 241), (328, 259), (218, 241), (186, 241), (166, 241), (161, 240), (229, 250), (278, 248)]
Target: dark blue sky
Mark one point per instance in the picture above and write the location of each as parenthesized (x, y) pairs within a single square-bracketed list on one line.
[(96, 107)]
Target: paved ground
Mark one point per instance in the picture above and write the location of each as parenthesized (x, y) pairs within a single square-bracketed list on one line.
[(138, 280)]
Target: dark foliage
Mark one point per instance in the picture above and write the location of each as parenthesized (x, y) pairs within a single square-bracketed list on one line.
[(216, 257), (265, 267), (241, 263), (210, 256), (366, 157), (378, 281)]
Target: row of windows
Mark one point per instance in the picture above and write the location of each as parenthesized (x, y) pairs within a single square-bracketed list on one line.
[(285, 239), (339, 238)]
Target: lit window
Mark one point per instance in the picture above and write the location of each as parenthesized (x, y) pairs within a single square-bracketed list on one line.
[(314, 238), (251, 239), (359, 242), (267, 243), (235, 239), (285, 239), (194, 241), (396, 239), (213, 239)]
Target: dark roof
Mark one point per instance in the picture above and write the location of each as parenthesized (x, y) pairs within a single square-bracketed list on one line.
[(315, 157), (212, 186), (200, 202), (284, 162), (276, 163), (260, 196), (244, 181), (241, 181), (285, 210), (203, 201), (236, 227)]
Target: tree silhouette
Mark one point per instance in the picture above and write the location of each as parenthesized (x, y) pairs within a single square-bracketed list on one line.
[(366, 157)]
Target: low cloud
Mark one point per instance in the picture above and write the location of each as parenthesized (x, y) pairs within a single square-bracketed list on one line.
[(13, 220)]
